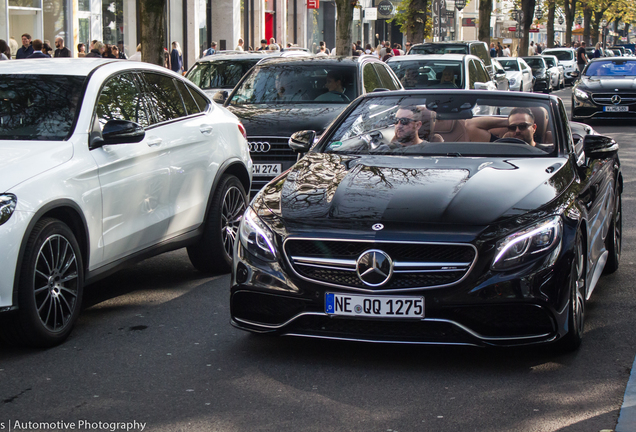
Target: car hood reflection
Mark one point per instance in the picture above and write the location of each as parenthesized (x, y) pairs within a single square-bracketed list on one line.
[(284, 120), (609, 84), (328, 189)]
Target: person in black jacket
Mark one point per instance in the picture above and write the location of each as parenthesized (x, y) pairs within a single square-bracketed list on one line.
[(61, 50), (37, 50), (97, 50), (26, 49)]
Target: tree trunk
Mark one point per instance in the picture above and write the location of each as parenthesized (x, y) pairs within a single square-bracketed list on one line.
[(627, 32), (344, 9), (416, 26), (485, 9), (615, 38), (153, 38), (528, 16), (587, 18), (551, 13), (569, 10), (596, 22)]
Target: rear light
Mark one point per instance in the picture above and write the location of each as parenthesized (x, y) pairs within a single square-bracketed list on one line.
[(242, 130)]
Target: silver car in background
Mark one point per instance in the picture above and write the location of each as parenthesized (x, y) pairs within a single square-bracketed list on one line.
[(518, 72)]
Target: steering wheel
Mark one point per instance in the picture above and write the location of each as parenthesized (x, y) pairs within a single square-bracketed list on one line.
[(342, 95), (510, 140)]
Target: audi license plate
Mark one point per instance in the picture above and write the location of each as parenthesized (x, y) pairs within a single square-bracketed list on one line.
[(374, 306), (266, 169), (615, 108)]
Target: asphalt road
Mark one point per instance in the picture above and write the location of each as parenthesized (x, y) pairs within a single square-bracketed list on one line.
[(154, 345)]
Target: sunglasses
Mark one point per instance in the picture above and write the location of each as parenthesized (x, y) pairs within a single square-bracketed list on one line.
[(521, 126), (404, 121)]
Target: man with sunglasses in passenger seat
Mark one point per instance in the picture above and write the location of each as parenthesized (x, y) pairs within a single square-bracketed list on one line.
[(520, 124)]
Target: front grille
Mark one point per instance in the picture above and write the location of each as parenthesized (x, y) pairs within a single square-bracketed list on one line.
[(606, 98), (415, 265), (279, 150)]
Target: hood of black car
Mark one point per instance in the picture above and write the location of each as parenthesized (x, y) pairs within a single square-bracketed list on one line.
[(284, 120), (538, 71), (608, 84), (338, 191)]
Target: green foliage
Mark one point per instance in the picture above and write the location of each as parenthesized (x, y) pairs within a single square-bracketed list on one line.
[(411, 17)]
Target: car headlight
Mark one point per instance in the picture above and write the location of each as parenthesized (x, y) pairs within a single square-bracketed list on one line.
[(580, 94), (528, 244), (7, 206), (512, 81), (256, 237)]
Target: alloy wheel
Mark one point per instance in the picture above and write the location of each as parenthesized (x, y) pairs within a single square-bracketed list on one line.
[(233, 208)]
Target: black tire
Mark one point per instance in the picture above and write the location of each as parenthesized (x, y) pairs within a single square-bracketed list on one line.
[(576, 305), (614, 239), (213, 253), (51, 285)]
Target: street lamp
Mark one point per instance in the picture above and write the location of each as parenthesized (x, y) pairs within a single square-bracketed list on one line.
[(579, 20), (538, 13), (561, 20), (604, 22), (460, 4)]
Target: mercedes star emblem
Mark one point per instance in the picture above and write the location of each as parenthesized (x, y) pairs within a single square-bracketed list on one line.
[(374, 267), (616, 99), (377, 227)]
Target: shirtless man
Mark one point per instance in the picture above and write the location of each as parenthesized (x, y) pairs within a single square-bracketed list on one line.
[(520, 124)]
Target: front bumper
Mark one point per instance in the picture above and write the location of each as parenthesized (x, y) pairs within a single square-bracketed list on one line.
[(541, 84), (487, 308), (586, 109)]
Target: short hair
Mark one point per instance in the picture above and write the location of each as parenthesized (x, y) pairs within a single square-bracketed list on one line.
[(37, 45), (263, 41), (213, 44), (522, 110), (26, 35), (336, 75), (417, 112), (79, 46), (240, 40)]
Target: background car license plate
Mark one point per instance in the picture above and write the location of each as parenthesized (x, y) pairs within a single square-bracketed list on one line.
[(615, 108), (374, 306), (266, 169)]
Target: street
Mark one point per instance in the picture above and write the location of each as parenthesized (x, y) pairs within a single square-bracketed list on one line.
[(153, 345)]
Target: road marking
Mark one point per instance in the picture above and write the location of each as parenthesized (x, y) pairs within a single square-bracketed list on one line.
[(627, 417)]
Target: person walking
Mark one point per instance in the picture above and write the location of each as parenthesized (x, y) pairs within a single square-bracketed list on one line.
[(493, 50), (211, 50), (239, 46), (176, 58), (597, 50), (531, 49), (61, 50), (5, 50), (26, 49), (581, 57), (97, 50)]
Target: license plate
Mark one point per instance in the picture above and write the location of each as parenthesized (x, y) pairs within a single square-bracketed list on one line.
[(615, 108), (266, 169), (374, 306)]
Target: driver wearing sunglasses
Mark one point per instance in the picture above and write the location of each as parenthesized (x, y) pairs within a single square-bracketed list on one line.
[(520, 124)]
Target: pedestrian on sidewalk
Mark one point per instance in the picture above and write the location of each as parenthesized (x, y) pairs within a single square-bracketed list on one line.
[(176, 58)]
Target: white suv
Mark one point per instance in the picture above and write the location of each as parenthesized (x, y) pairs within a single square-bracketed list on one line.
[(567, 59), (105, 163)]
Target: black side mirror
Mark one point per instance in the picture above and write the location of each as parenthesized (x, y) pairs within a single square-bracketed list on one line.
[(301, 142), (220, 97), (599, 146), (122, 132)]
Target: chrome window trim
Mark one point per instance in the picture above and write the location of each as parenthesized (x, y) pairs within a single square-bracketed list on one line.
[(379, 291)]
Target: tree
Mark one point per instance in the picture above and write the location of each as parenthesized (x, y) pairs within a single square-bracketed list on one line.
[(527, 6), (485, 9), (413, 21), (344, 40), (550, 26), (587, 21), (153, 23), (569, 9)]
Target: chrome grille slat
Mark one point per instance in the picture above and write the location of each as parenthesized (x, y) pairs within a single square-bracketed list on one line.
[(606, 98)]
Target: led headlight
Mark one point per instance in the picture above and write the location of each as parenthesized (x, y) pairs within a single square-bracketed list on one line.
[(528, 244), (256, 237), (580, 94), (7, 206)]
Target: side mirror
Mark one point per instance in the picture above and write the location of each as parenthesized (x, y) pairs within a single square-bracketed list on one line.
[(301, 142), (122, 132), (220, 97), (599, 146)]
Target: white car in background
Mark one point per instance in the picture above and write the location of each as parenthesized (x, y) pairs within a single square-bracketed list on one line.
[(567, 59), (104, 163), (518, 72), (553, 64)]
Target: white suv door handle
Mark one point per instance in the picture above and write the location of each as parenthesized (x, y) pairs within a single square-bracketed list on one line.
[(206, 129), (154, 141)]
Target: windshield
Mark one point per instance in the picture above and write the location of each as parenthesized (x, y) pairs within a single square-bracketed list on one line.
[(550, 62), (433, 48), (612, 68), (39, 107), (438, 124), (297, 83), (222, 74), (429, 73), (562, 55), (534, 63), (509, 65)]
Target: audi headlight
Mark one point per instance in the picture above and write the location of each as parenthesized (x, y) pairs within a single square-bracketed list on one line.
[(256, 237), (529, 244), (580, 94), (7, 206), (512, 81)]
